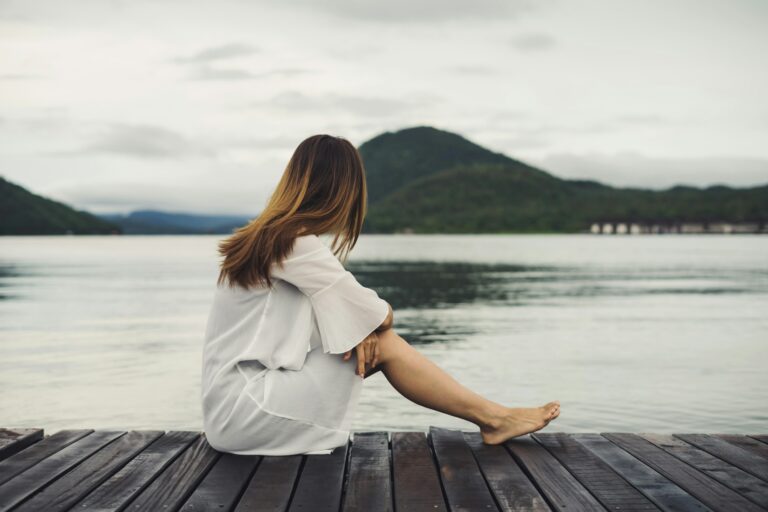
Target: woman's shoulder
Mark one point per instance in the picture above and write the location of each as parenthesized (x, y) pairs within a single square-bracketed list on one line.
[(304, 245)]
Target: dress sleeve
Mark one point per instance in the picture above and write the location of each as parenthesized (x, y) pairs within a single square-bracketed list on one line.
[(345, 311)]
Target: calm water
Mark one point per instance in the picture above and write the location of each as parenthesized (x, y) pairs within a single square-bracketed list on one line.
[(666, 333)]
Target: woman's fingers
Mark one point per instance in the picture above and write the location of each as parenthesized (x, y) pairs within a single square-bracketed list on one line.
[(369, 344), (360, 359), (375, 360), (367, 351), (347, 355)]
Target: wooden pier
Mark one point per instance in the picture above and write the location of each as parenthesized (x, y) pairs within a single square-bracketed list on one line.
[(149, 470)]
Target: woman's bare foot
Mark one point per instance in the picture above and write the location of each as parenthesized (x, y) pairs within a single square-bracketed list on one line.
[(520, 421)]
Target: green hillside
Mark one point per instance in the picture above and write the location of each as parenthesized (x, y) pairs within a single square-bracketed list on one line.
[(392, 160), (500, 194), (25, 213)]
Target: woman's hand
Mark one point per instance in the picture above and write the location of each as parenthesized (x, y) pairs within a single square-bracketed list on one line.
[(367, 351)]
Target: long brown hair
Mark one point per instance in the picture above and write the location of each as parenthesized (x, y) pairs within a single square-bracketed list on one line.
[(321, 190)]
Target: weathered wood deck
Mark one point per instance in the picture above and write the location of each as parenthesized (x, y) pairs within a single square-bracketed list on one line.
[(88, 470)]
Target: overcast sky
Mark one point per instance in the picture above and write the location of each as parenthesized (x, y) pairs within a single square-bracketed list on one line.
[(196, 106)]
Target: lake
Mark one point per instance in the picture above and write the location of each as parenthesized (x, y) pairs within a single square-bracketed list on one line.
[(631, 333)]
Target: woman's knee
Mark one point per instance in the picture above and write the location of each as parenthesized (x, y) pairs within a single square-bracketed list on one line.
[(391, 345)]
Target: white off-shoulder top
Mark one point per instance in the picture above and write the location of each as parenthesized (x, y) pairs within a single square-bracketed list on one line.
[(257, 395)]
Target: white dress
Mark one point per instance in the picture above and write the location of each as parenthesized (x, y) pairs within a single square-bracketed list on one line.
[(273, 378)]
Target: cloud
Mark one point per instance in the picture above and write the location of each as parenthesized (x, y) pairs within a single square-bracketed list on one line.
[(472, 70), (642, 120), (533, 42), (203, 64), (143, 141), (153, 142), (517, 129), (218, 53), (209, 73), (395, 11), (357, 105), (20, 76), (177, 186), (632, 169)]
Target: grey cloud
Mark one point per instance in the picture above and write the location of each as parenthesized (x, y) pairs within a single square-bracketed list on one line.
[(270, 142), (642, 119), (218, 53), (518, 141), (637, 170), (45, 121), (620, 122), (519, 122), (423, 10), (139, 140), (20, 76), (533, 42), (357, 105), (208, 73), (86, 12), (502, 116), (513, 130), (472, 70), (228, 189), (144, 141)]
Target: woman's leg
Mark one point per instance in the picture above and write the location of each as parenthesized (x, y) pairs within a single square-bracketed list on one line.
[(420, 380)]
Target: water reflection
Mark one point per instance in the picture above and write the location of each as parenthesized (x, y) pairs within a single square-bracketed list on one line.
[(429, 284)]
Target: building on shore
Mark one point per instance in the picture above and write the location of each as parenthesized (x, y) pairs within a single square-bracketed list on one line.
[(639, 228)]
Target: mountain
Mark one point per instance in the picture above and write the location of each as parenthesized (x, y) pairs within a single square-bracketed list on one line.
[(154, 222), (427, 180), (25, 213), (393, 160)]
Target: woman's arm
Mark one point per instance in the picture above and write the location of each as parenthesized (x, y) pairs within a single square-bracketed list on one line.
[(367, 351), (387, 323)]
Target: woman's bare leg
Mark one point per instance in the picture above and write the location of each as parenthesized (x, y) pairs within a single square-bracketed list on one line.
[(420, 380)]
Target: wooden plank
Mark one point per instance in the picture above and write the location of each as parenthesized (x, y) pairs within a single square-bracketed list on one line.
[(23, 485), (77, 483), (30, 456), (712, 493), (416, 482), (609, 488), (508, 483), (746, 443), (658, 489), (369, 487), (222, 486), (740, 481), (271, 486), (763, 438), (734, 455), (127, 483), (13, 440), (559, 487), (172, 487), (465, 487), (320, 482)]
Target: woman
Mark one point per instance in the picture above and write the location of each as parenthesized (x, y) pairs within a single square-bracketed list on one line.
[(279, 376)]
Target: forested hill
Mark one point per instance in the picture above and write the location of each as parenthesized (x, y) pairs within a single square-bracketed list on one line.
[(25, 213), (427, 180)]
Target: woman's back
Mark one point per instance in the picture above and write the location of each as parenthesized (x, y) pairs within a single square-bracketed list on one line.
[(259, 335)]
